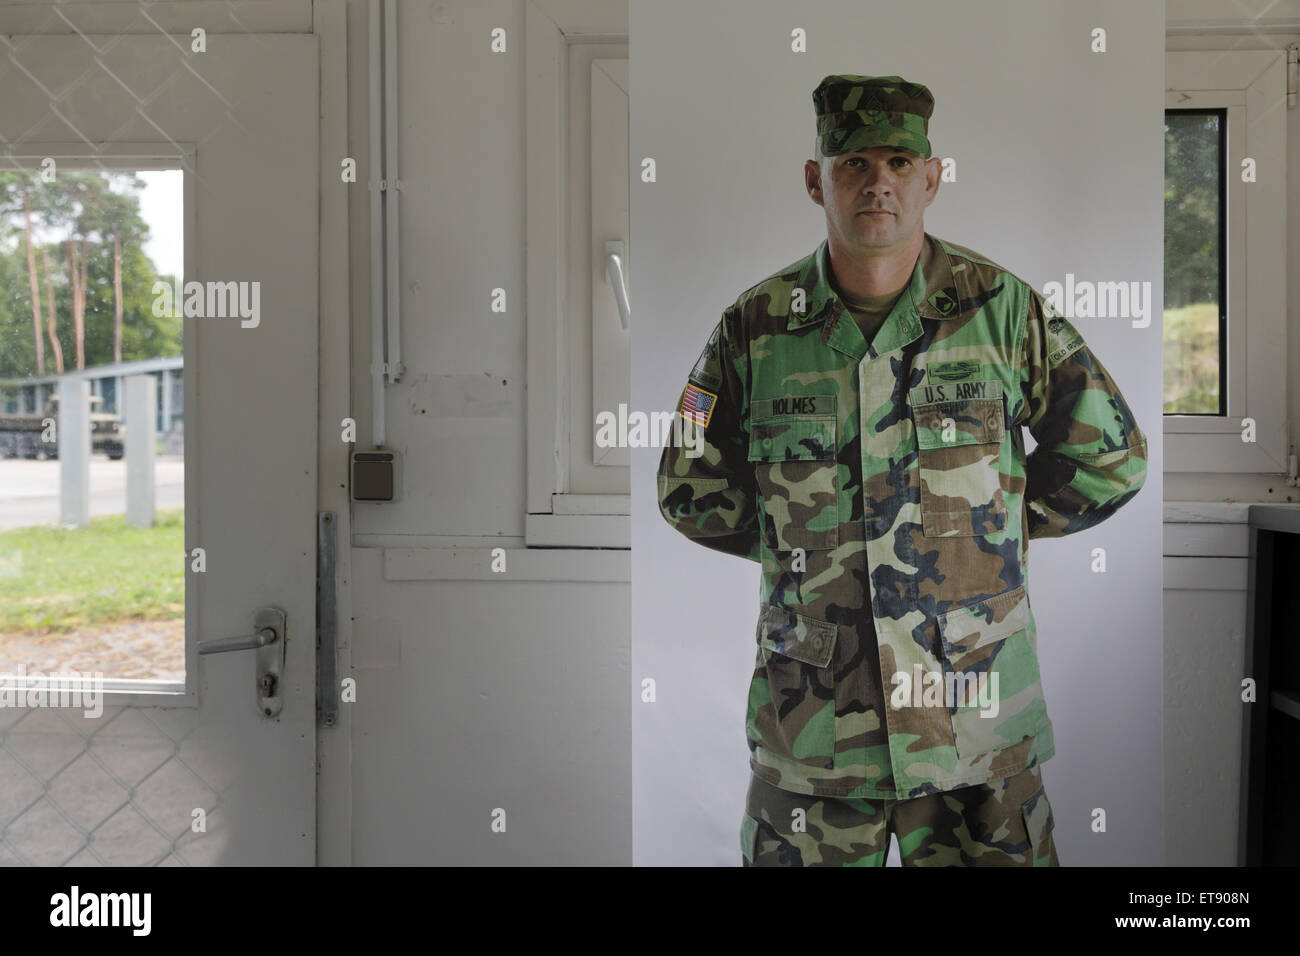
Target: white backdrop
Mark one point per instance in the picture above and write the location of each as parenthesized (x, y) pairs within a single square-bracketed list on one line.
[(1059, 169)]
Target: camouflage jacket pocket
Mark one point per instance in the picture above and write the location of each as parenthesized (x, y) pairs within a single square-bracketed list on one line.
[(958, 445), (795, 636), (797, 478), (792, 692), (992, 685)]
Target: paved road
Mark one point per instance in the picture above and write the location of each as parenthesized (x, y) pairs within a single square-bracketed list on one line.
[(29, 490)]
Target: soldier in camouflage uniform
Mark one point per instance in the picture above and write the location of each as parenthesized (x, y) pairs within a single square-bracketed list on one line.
[(860, 418)]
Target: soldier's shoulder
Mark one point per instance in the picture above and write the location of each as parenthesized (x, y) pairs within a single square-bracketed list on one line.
[(771, 298), (985, 273)]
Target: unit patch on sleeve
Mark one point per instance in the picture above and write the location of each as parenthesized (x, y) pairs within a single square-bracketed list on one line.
[(698, 405), (1063, 339)]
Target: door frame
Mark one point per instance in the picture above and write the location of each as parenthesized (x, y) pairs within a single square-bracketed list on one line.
[(342, 256)]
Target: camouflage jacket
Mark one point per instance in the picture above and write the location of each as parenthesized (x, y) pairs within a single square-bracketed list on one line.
[(886, 492)]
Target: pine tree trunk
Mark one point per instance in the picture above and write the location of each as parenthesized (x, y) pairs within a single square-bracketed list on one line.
[(117, 297), (55, 348), (36, 290)]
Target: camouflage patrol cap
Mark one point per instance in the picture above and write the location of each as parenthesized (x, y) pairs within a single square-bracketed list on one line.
[(858, 112)]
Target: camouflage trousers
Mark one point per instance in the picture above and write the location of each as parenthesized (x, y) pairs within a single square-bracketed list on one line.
[(1002, 823)]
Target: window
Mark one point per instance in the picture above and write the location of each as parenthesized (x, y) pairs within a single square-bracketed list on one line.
[(1225, 360), (1195, 343), (577, 201)]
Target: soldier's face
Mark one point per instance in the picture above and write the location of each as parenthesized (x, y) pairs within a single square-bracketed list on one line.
[(874, 198)]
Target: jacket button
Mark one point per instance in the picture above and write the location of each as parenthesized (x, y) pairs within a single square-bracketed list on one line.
[(817, 643), (767, 443)]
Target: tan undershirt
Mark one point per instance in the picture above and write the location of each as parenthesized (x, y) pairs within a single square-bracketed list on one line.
[(870, 311)]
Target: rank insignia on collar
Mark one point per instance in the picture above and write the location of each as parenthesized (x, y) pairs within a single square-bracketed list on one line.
[(943, 302)]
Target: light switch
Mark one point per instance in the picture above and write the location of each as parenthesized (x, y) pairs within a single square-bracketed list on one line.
[(376, 475)]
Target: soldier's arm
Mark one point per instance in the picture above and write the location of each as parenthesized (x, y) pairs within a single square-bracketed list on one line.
[(1091, 456), (712, 498)]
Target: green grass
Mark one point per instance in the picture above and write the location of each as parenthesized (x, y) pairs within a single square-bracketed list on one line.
[(60, 580), (1191, 359)]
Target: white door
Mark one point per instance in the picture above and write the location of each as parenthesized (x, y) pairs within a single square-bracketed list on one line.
[(242, 119)]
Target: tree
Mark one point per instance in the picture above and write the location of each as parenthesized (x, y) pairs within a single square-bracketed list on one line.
[(35, 285), (93, 223), (116, 215), (12, 183), (58, 210)]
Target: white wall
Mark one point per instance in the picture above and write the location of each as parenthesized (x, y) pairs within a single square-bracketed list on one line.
[(1060, 169), (472, 695)]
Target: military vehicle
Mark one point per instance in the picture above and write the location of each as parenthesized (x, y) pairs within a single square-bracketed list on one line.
[(22, 435)]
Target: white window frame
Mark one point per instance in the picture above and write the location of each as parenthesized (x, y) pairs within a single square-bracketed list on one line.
[(1251, 86), (553, 517)]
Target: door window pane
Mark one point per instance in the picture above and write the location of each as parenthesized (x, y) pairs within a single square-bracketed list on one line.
[(79, 256)]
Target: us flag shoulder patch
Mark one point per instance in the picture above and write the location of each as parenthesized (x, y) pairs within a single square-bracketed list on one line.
[(698, 405)]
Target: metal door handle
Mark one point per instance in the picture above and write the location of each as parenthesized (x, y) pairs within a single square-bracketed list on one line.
[(614, 276), (245, 642), (268, 637)]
